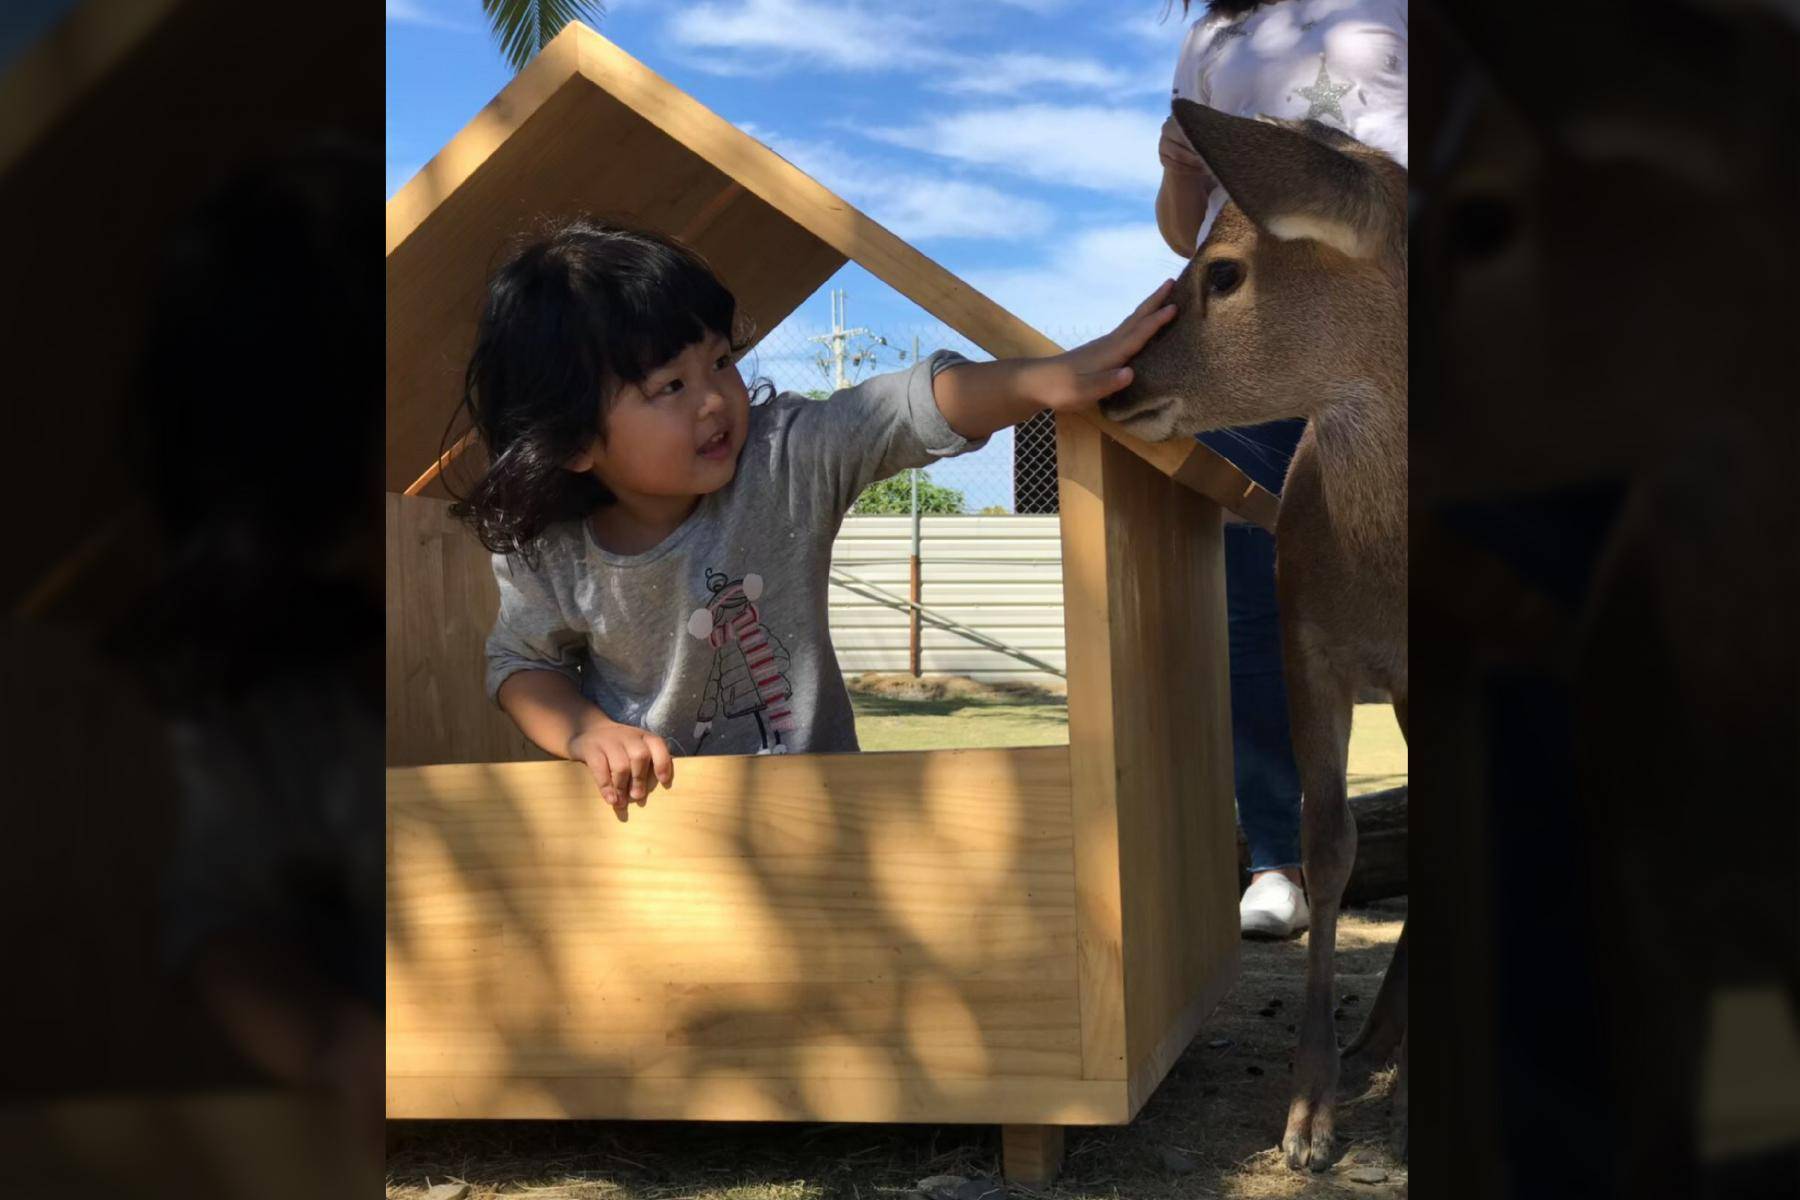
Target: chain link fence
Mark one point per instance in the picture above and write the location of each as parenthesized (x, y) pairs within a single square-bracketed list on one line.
[(823, 347)]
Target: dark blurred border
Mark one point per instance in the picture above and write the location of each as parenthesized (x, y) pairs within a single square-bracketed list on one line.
[(189, 213), (1603, 600)]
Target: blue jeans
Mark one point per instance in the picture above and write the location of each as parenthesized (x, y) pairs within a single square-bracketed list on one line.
[(1267, 778)]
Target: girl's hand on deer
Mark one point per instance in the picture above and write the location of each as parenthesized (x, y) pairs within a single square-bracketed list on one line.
[(1177, 154), (978, 398), (627, 763), (1086, 375)]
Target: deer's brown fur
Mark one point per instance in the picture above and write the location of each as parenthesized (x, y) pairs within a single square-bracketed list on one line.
[(1314, 326)]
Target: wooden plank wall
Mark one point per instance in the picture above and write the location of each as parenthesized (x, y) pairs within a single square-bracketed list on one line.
[(441, 601), (819, 937), (1150, 736)]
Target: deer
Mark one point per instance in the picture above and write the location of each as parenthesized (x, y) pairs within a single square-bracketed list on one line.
[(1295, 306)]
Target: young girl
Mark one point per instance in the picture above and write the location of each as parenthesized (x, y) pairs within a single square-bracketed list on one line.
[(662, 544)]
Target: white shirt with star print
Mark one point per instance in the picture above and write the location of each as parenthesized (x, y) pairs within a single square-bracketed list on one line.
[(1341, 62)]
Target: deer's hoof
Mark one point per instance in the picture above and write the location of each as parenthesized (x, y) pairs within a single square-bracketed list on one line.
[(1308, 1150)]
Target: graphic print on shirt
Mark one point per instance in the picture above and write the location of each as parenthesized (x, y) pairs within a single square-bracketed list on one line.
[(749, 668), (1323, 96)]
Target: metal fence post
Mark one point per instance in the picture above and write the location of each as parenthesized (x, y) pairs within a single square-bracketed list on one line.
[(913, 616)]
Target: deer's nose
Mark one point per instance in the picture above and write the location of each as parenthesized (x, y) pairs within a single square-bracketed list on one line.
[(1123, 400)]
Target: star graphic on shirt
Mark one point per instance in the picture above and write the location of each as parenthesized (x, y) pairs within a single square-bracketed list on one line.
[(1226, 34), (1323, 95)]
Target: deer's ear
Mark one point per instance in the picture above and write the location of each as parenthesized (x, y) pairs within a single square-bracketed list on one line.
[(1290, 184)]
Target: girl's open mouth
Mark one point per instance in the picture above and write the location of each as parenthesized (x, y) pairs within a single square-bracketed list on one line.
[(717, 446)]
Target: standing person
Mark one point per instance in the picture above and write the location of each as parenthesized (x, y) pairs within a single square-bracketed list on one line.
[(1342, 63)]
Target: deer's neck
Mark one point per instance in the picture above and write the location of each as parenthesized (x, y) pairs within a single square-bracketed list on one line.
[(1360, 437)]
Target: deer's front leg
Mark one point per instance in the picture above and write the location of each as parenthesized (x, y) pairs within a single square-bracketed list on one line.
[(1320, 702)]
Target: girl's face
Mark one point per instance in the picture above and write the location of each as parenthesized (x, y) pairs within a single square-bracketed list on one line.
[(679, 432)]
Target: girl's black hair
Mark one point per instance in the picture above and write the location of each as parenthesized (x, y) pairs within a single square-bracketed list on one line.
[(576, 313)]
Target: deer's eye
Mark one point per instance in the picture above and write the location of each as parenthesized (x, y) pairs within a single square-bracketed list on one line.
[(1223, 275)]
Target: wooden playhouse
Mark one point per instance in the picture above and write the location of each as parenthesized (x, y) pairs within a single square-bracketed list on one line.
[(1027, 938)]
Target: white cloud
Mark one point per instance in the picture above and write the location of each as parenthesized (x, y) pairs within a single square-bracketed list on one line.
[(785, 33), (1107, 149), (924, 208), (1013, 74), (420, 12), (914, 205), (768, 37), (1087, 284)]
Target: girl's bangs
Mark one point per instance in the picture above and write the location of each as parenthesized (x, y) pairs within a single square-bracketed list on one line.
[(664, 319)]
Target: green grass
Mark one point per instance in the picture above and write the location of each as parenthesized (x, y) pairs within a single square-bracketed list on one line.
[(956, 723), (885, 722)]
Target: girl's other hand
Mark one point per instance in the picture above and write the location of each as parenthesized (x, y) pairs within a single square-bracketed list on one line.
[(627, 763), (1176, 153), (1086, 375)]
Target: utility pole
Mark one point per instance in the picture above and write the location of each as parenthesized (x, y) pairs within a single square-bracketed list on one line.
[(917, 582), (838, 337)]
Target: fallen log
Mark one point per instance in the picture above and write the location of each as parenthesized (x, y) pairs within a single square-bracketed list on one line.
[(1380, 869)]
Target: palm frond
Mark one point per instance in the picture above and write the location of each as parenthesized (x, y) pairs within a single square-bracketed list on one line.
[(523, 27)]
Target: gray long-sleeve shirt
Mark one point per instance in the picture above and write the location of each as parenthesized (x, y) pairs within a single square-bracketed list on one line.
[(718, 638)]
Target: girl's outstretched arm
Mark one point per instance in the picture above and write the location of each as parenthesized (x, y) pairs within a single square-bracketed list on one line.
[(978, 398)]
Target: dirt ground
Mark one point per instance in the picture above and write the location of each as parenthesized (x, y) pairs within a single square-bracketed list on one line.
[(1209, 1131)]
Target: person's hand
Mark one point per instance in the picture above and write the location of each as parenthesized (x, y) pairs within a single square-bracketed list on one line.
[(1086, 375), (1176, 153), (627, 763)]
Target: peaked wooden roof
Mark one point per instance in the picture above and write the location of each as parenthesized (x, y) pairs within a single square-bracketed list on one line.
[(587, 128)]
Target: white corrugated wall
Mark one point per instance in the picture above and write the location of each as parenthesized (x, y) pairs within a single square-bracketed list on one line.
[(1000, 575)]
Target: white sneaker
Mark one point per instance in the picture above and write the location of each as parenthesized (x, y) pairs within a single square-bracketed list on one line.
[(1272, 907)]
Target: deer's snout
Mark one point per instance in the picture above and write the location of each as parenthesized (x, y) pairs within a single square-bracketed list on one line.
[(1127, 399), (1144, 410)]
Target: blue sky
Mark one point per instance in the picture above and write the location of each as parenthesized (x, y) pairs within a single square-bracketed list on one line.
[(1012, 141)]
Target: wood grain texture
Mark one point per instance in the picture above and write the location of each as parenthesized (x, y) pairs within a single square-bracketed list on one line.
[(747, 1097), (1093, 751), (1031, 1154), (902, 924), (1149, 736), (1172, 733), (587, 127), (441, 603)]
